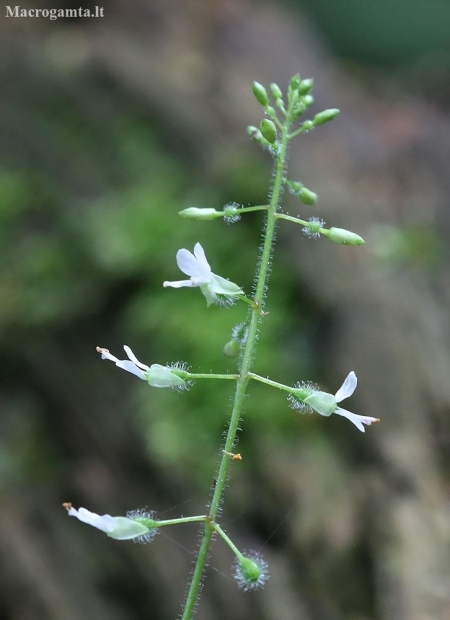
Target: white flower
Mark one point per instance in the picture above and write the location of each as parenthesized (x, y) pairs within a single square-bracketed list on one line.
[(119, 528), (156, 375), (326, 404), (131, 365), (197, 267)]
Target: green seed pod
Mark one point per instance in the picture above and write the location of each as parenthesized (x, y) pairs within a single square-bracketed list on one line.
[(307, 196), (260, 93), (346, 237), (268, 130), (325, 116)]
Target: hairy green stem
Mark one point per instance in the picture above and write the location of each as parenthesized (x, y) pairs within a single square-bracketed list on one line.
[(280, 386), (182, 520), (256, 314), (190, 375), (228, 540)]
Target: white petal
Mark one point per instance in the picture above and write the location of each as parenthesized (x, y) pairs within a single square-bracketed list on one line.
[(134, 359), (104, 523), (191, 265), (187, 262), (120, 528), (201, 258), (358, 420), (131, 367), (124, 364), (347, 388), (106, 355), (179, 284)]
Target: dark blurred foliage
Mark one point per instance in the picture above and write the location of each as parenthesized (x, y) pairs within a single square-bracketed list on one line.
[(108, 129)]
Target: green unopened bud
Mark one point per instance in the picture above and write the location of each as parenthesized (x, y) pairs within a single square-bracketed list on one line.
[(308, 100), (163, 377), (194, 213), (346, 237), (268, 130), (251, 571), (307, 196), (325, 116), (232, 349), (308, 126), (260, 93), (276, 91), (295, 82), (305, 86)]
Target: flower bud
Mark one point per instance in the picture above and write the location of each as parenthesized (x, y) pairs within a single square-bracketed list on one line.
[(276, 91), (346, 237), (163, 377), (268, 130), (308, 100), (295, 82), (195, 213), (307, 196), (232, 349), (305, 86), (325, 116), (308, 126), (260, 93), (251, 571)]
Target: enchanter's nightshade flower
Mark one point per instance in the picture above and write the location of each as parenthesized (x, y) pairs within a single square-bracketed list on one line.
[(120, 528), (197, 267), (156, 375), (326, 404)]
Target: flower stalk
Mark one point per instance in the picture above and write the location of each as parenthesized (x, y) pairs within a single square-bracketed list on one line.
[(246, 366), (273, 135)]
